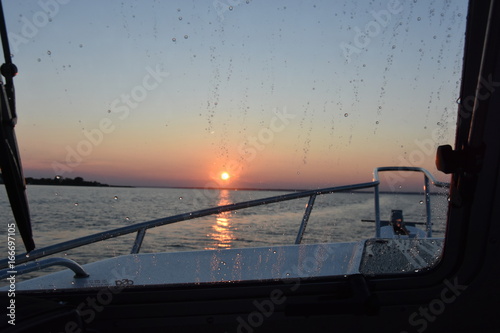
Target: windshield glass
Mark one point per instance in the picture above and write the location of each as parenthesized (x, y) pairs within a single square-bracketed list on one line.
[(137, 110)]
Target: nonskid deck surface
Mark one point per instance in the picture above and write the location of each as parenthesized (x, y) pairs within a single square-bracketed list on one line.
[(399, 255), (372, 256)]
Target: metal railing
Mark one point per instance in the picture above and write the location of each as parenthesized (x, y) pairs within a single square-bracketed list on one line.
[(49, 262), (428, 178), (141, 228)]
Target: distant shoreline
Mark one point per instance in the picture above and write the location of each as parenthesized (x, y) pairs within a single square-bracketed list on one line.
[(78, 181), (282, 190), (60, 181)]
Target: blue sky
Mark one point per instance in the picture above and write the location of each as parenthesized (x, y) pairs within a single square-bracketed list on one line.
[(225, 74)]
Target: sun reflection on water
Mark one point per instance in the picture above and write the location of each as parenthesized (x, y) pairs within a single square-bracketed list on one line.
[(222, 230)]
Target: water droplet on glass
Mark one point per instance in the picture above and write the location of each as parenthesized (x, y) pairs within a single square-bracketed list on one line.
[(174, 39), (49, 53), (27, 255), (186, 36), (127, 218), (419, 18), (180, 198), (421, 202), (377, 122), (230, 7), (81, 45), (39, 60), (346, 114), (180, 18), (115, 197), (76, 203)]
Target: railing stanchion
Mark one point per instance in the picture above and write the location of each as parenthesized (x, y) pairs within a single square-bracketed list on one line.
[(305, 218), (377, 212), (428, 222), (138, 241)]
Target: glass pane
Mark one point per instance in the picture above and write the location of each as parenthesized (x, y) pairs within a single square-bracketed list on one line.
[(184, 105)]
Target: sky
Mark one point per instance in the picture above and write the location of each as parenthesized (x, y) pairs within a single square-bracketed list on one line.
[(278, 94)]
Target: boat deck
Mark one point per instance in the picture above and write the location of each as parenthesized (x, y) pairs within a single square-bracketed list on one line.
[(373, 256)]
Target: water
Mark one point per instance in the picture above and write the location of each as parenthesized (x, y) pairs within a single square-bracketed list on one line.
[(61, 213)]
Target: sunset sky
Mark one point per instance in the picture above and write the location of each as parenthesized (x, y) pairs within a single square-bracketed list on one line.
[(278, 94)]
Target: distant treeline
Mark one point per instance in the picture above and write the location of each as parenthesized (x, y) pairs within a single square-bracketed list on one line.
[(77, 181)]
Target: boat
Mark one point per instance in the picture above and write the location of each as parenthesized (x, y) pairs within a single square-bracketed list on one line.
[(206, 266), (403, 279)]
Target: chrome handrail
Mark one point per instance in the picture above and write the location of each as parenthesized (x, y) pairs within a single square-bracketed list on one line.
[(141, 227), (427, 177), (38, 265)]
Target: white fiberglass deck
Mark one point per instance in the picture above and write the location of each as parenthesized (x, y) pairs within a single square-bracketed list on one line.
[(263, 263), (374, 256)]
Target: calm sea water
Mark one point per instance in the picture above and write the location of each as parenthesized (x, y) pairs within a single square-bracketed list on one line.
[(61, 213)]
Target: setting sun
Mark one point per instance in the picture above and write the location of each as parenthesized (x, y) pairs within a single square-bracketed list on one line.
[(224, 176)]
